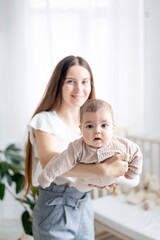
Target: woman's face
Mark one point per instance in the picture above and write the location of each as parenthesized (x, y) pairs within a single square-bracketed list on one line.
[(76, 87)]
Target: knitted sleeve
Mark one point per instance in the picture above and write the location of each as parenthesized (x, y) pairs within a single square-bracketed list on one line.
[(59, 164), (135, 161)]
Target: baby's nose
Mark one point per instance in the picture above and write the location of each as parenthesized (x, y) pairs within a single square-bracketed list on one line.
[(97, 131)]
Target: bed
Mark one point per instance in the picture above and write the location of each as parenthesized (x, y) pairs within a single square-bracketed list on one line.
[(115, 216)]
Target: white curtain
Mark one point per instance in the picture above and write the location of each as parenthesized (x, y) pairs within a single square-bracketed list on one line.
[(109, 34), (36, 34)]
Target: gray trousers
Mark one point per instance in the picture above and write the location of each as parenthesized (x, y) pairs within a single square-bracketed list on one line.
[(63, 213)]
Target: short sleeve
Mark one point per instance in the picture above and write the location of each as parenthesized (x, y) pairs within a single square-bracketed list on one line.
[(44, 121)]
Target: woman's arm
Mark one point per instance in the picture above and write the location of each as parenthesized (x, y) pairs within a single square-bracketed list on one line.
[(113, 167), (47, 148)]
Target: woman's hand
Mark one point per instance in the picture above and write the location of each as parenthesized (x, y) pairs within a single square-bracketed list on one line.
[(115, 166)]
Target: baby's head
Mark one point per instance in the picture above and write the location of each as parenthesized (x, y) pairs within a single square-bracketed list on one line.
[(97, 122)]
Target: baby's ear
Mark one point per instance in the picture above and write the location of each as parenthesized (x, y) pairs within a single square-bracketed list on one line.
[(114, 126)]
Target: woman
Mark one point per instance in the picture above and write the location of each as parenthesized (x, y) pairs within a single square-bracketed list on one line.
[(62, 212)]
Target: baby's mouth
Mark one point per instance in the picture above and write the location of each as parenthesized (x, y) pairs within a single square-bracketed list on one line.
[(97, 139)]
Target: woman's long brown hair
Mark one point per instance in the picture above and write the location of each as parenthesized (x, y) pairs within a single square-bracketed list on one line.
[(52, 99)]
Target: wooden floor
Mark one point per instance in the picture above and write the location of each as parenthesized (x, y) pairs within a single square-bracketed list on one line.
[(12, 230)]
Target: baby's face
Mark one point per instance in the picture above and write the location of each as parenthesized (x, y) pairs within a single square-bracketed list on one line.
[(97, 128)]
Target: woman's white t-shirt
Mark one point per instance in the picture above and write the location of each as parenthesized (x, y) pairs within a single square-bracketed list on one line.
[(50, 122)]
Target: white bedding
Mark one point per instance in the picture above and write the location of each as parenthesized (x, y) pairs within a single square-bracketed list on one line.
[(128, 219)]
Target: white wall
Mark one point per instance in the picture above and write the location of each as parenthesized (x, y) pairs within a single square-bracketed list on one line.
[(109, 38), (152, 67), (13, 71), (14, 108)]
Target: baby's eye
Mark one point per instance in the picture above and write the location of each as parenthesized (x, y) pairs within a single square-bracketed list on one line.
[(104, 125), (89, 126)]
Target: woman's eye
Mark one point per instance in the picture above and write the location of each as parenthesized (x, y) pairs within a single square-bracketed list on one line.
[(89, 126), (70, 81), (104, 125), (85, 82)]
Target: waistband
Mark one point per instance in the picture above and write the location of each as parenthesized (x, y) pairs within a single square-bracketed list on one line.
[(62, 195)]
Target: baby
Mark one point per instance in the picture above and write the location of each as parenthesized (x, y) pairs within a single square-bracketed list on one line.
[(97, 144)]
